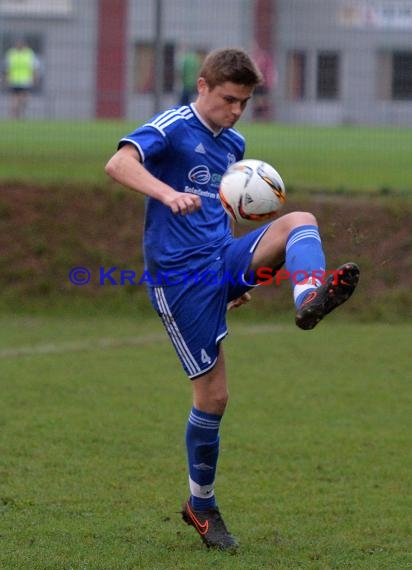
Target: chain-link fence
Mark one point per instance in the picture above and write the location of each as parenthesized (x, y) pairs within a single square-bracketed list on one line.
[(324, 61)]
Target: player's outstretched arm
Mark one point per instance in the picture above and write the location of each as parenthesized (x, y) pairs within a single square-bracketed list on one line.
[(126, 169)]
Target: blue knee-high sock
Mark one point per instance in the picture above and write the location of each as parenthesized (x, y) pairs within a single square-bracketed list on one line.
[(305, 261), (202, 442)]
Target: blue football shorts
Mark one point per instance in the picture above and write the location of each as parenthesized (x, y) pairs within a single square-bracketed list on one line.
[(193, 311)]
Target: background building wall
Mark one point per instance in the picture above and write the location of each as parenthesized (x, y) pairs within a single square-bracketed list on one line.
[(68, 58), (186, 24), (359, 38), (306, 36)]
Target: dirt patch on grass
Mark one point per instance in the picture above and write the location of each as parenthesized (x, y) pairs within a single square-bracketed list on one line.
[(47, 231)]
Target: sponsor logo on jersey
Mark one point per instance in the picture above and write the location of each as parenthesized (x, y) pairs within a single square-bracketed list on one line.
[(199, 174)]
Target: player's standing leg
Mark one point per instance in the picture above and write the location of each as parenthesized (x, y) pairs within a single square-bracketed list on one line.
[(210, 397)]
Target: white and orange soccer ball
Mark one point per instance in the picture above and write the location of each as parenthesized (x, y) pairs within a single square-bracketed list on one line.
[(252, 191)]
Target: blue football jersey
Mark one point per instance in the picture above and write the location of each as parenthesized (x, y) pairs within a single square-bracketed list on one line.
[(177, 147)]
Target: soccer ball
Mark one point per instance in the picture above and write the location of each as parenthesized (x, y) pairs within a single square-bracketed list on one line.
[(252, 191)]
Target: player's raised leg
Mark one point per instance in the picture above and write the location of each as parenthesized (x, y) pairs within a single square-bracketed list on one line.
[(294, 239)]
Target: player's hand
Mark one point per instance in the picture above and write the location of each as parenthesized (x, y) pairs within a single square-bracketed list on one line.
[(184, 203), (245, 298)]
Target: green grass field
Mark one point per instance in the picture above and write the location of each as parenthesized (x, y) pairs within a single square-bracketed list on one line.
[(308, 157), (316, 446), (315, 469)]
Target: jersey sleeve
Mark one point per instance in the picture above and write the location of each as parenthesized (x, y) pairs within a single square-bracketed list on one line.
[(149, 142)]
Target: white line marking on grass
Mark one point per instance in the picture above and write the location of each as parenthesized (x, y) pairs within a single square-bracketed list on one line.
[(121, 342), (80, 346), (262, 328)]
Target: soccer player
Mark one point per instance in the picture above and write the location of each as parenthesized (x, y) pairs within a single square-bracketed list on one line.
[(176, 160)]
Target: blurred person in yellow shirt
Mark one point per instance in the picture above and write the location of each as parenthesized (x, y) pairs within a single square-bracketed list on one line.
[(22, 75)]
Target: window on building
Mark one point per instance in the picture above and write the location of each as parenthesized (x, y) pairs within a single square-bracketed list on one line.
[(296, 75), (144, 68), (394, 79), (327, 79), (402, 75)]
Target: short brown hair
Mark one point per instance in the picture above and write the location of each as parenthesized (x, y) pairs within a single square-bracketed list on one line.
[(232, 65)]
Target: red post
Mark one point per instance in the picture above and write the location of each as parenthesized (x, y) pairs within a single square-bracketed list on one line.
[(111, 59), (264, 25)]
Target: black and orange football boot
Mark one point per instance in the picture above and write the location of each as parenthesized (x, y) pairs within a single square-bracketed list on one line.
[(211, 528), (337, 289)]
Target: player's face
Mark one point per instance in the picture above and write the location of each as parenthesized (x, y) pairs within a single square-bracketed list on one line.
[(223, 105)]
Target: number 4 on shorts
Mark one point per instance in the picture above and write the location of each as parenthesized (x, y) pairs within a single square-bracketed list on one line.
[(205, 358)]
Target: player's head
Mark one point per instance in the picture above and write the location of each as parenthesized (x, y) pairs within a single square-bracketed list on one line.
[(233, 65), (226, 82)]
